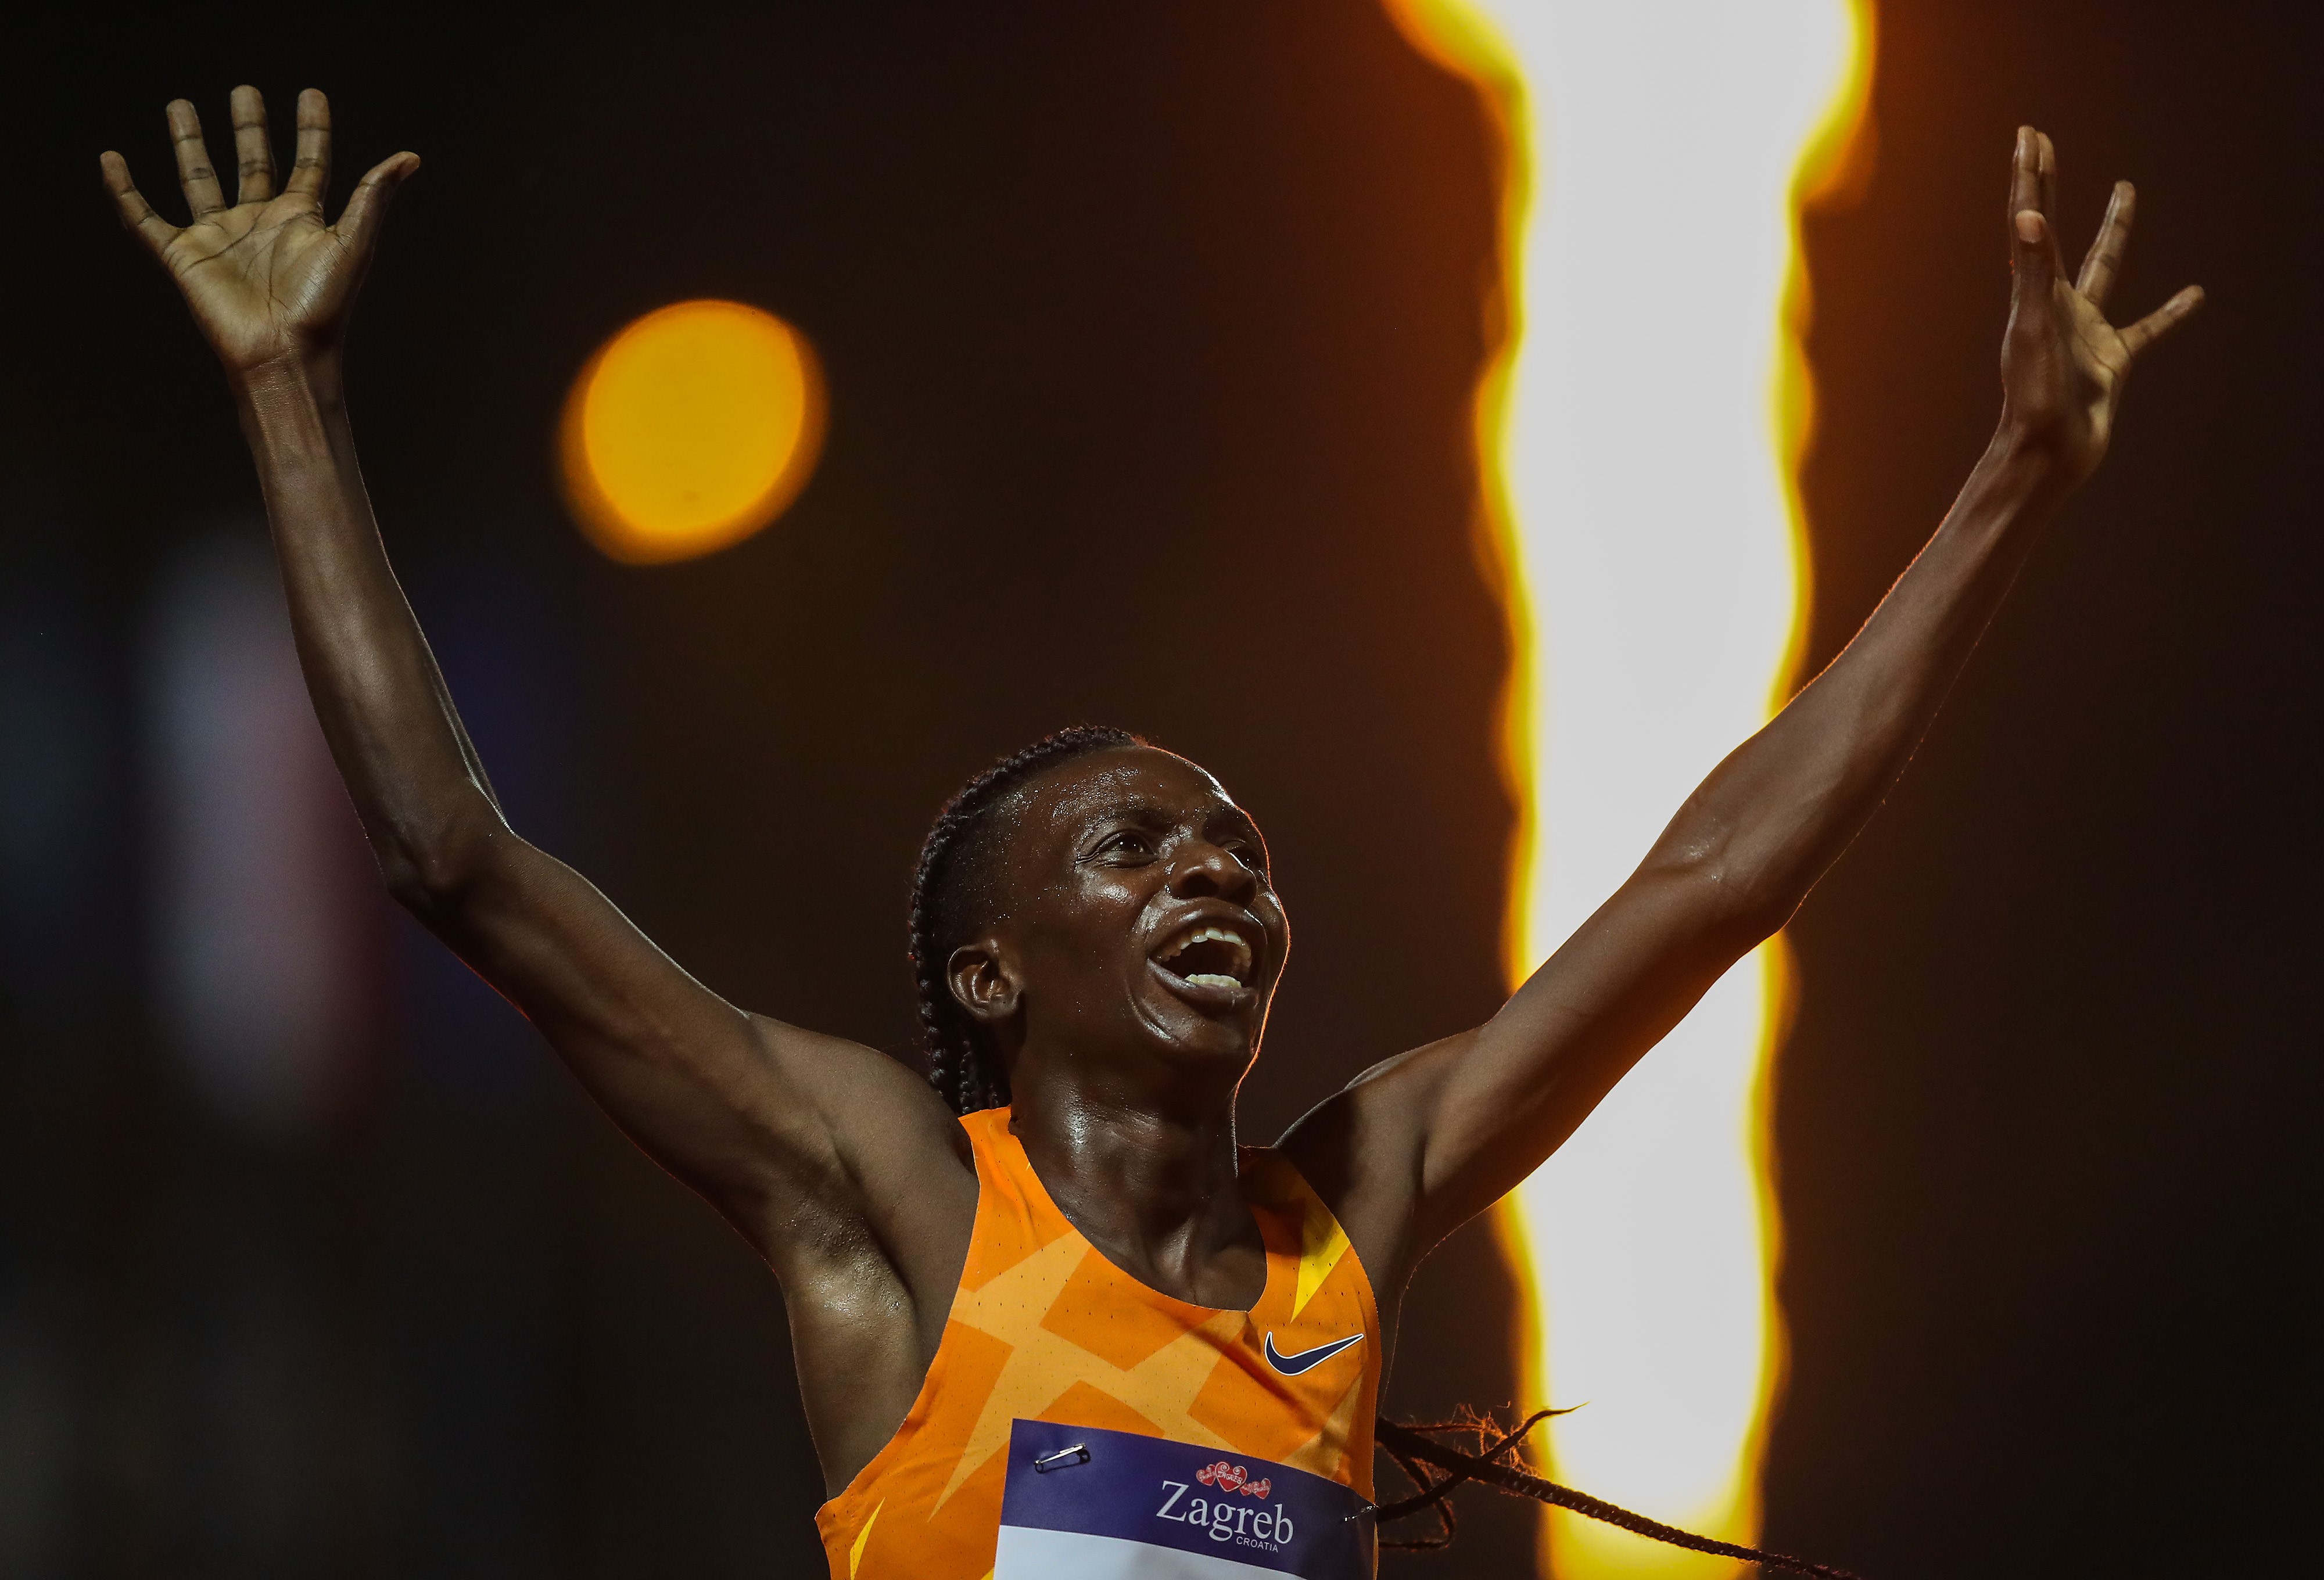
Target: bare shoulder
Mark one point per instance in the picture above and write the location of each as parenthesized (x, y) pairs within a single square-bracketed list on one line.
[(849, 1085), (870, 1248), (891, 1154), (1364, 1151)]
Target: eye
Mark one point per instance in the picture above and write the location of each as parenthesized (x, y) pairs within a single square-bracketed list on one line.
[(1251, 856), (1126, 842)]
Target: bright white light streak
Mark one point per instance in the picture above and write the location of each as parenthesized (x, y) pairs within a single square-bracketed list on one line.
[(1636, 446)]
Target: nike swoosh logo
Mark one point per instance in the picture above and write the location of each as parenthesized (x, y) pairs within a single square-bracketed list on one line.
[(1307, 1360)]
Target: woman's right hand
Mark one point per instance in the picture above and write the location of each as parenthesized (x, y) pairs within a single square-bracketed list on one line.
[(268, 281)]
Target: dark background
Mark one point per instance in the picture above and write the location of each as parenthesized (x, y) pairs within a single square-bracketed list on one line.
[(1150, 336)]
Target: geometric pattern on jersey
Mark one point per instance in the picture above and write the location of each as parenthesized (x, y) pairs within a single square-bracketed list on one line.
[(1043, 1327)]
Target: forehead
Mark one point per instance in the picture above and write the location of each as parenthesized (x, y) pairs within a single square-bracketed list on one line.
[(1138, 781)]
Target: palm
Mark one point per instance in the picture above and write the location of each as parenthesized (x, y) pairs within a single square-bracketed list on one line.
[(260, 276), (2063, 364), (2100, 358), (266, 277)]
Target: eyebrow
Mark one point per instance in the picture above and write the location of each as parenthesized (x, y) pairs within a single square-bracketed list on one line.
[(1231, 813), (1151, 814)]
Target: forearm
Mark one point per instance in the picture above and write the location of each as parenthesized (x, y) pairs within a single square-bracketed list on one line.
[(1783, 806), (1727, 872), (1480, 1112), (422, 795)]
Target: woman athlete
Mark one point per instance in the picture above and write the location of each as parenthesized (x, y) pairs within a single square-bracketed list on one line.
[(1049, 1316)]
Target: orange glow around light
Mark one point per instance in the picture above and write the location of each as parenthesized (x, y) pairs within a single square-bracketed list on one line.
[(690, 430), (1637, 446)]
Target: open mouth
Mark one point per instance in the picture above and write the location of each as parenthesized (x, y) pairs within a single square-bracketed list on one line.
[(1208, 956)]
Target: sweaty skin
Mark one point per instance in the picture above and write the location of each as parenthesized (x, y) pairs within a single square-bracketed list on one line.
[(844, 1169)]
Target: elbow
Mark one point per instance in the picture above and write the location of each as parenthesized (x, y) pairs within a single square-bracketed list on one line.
[(1742, 896), (1749, 908), (420, 880), (1730, 912), (433, 871)]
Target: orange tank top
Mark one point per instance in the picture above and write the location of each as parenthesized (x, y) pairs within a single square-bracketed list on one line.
[(1044, 1328)]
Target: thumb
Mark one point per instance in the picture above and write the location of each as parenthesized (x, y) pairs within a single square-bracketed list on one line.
[(367, 206)]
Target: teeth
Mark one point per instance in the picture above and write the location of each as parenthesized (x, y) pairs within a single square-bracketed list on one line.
[(1215, 934), (1221, 935)]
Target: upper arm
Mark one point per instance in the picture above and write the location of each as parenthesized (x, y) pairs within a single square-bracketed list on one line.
[(1420, 1144), (788, 1132)]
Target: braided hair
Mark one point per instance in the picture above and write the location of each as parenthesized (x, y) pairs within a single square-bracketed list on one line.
[(954, 877), (1435, 1467)]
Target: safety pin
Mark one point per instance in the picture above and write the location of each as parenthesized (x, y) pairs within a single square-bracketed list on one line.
[(1078, 1453), (1358, 1514)]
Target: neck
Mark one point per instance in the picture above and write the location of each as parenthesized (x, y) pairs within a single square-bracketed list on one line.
[(1157, 1192)]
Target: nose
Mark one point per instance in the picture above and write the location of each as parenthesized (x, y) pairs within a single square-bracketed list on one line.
[(1207, 871)]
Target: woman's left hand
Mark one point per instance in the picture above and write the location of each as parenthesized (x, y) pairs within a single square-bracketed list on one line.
[(2062, 363)]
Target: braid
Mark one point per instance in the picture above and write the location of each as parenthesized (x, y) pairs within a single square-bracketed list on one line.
[(1414, 1450), (963, 1065)]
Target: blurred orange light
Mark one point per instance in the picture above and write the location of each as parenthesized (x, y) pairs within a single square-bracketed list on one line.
[(690, 430)]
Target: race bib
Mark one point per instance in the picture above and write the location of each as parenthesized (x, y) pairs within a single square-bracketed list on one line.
[(1082, 1504)]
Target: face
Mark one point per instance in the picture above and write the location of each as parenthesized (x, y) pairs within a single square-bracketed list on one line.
[(1133, 924)]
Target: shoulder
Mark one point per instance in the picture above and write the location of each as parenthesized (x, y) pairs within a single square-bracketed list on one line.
[(1364, 1151), (853, 1090), (882, 1146)]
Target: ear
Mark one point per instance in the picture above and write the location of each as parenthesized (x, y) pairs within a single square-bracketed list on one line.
[(983, 982)]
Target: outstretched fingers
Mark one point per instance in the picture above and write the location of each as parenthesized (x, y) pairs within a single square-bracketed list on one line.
[(2105, 259), (310, 164), (2161, 320), (137, 216), (195, 177), (253, 156)]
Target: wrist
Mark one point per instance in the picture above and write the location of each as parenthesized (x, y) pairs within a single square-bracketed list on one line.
[(290, 410), (316, 375), (2024, 468)]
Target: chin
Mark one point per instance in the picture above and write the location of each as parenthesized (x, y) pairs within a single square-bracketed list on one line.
[(1207, 1042)]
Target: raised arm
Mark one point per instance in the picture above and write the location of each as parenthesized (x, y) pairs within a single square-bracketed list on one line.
[(770, 1123), (1424, 1141)]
